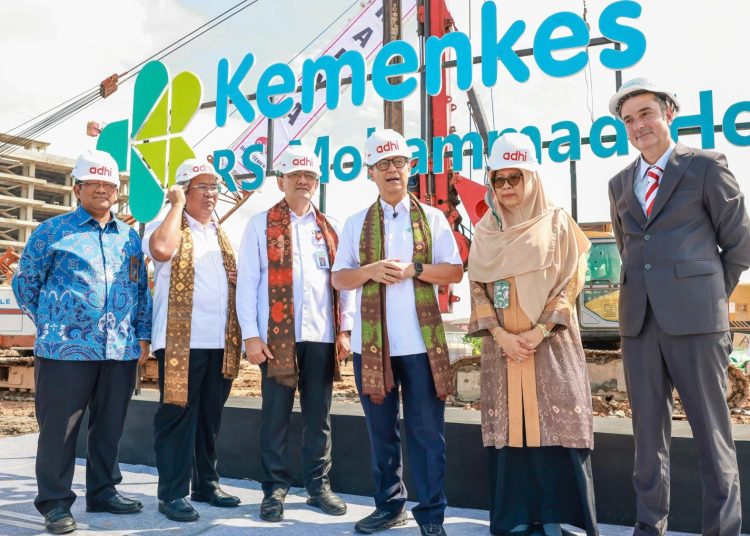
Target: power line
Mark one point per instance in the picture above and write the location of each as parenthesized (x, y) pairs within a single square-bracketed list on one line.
[(51, 109), (192, 32), (63, 111), (313, 40)]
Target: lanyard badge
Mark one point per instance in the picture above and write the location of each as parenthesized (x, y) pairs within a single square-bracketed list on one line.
[(321, 257), (502, 294)]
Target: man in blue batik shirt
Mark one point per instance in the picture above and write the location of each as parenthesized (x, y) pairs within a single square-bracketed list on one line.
[(83, 282)]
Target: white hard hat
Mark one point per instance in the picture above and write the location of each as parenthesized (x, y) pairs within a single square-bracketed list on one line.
[(385, 143), (96, 165), (639, 84), (513, 150), (191, 168), (298, 158)]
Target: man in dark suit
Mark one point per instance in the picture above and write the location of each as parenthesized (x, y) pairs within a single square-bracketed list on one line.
[(684, 236)]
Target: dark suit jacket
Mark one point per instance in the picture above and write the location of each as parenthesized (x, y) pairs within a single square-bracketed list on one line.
[(686, 259)]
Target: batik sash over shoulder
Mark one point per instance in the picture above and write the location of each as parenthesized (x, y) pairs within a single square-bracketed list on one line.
[(377, 375), (180, 313), (281, 338)]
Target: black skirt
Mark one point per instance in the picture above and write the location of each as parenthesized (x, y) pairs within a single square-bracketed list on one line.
[(541, 485)]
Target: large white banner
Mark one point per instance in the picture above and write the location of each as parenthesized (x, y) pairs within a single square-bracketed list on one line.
[(364, 33)]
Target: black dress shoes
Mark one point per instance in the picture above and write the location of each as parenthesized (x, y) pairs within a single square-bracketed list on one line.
[(272, 508), (642, 529), (178, 510), (117, 504), (380, 520), (329, 502), (216, 498), (59, 521)]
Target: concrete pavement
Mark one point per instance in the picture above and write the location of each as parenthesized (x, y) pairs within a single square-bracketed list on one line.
[(18, 517)]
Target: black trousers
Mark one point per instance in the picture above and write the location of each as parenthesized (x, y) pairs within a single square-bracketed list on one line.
[(185, 437), (315, 362), (64, 389)]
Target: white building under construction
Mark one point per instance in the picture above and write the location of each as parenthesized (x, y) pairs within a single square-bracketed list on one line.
[(36, 185)]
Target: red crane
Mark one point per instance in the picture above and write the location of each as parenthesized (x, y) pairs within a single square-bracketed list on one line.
[(442, 190)]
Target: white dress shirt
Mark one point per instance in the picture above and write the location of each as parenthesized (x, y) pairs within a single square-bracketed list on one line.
[(404, 332), (210, 292), (640, 184), (311, 283)]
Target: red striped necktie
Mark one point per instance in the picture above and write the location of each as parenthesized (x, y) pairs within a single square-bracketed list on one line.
[(653, 174)]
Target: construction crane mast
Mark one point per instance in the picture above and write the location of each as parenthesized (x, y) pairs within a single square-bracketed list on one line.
[(437, 189)]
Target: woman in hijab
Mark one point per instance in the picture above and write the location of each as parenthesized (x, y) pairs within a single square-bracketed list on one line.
[(526, 267)]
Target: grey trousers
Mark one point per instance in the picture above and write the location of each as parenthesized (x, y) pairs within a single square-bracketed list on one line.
[(696, 365)]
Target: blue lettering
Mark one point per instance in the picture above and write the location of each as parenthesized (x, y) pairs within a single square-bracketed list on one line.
[(419, 153), (729, 124), (536, 138), (545, 44), (253, 167), (619, 147), (323, 150), (220, 157), (332, 68), (703, 119), (434, 50), (338, 163), (227, 90), (266, 91), (632, 38), (572, 139), (381, 70), (494, 50), (457, 143)]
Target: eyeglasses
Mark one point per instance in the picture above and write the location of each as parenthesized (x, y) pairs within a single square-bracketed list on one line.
[(203, 188), (513, 180), (297, 175), (95, 185), (398, 162)]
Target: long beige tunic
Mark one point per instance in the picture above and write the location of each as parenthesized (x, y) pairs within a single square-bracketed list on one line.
[(555, 400)]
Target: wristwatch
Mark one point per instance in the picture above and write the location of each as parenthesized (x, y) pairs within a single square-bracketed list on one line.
[(545, 332), (418, 269)]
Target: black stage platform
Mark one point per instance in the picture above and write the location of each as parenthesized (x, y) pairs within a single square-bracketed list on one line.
[(466, 480)]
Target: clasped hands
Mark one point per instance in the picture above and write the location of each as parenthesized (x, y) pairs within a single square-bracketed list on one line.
[(518, 347), (389, 271)]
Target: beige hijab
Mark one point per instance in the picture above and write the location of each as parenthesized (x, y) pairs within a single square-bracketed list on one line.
[(536, 243)]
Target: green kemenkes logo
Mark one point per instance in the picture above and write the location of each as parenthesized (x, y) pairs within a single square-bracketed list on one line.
[(152, 141)]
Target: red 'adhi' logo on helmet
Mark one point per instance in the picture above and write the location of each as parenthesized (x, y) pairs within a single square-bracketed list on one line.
[(304, 161), (103, 170), (516, 156), (390, 146)]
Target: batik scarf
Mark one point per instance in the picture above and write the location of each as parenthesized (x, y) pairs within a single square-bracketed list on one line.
[(180, 313), (377, 375), (281, 338)]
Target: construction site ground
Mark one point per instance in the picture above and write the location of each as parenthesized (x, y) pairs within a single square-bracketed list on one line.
[(17, 415), (18, 517)]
